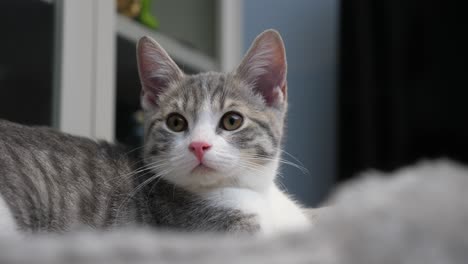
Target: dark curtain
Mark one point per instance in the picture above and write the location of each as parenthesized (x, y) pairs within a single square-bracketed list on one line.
[(403, 93)]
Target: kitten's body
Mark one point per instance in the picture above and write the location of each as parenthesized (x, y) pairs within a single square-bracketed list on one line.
[(52, 181), (210, 158)]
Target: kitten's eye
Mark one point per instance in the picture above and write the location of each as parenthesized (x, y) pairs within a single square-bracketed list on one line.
[(231, 121), (176, 122)]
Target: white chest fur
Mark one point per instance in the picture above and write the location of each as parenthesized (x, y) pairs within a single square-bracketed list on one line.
[(276, 212)]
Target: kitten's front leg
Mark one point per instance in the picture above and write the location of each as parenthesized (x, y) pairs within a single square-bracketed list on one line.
[(252, 207), (235, 222)]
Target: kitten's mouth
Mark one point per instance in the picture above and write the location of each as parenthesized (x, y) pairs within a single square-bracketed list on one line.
[(202, 168)]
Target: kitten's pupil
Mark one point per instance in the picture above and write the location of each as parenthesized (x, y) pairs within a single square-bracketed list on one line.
[(233, 120)]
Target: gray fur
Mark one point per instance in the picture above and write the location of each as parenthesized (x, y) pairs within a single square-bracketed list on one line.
[(56, 182), (53, 181), (416, 215)]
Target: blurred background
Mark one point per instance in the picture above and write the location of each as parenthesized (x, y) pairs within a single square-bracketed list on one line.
[(372, 84)]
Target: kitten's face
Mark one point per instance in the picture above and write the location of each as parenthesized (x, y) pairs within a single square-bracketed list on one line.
[(241, 134), (214, 130)]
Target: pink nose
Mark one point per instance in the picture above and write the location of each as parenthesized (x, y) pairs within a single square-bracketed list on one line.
[(199, 148)]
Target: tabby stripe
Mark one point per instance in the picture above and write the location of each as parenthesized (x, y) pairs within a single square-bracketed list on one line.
[(150, 127), (152, 124), (94, 190), (222, 98), (30, 186), (218, 90), (62, 201), (267, 129), (19, 209), (158, 149), (215, 93), (196, 102), (262, 153), (50, 190), (198, 95), (110, 209), (246, 134), (185, 100), (163, 132), (82, 201)]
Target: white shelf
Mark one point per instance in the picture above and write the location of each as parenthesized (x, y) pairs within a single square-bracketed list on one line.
[(185, 56)]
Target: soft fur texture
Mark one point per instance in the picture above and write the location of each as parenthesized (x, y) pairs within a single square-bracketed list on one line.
[(415, 215), (203, 177)]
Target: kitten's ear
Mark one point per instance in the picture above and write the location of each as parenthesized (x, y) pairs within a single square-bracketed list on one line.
[(264, 67), (156, 69)]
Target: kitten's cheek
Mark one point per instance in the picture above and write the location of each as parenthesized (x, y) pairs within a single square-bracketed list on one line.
[(231, 167)]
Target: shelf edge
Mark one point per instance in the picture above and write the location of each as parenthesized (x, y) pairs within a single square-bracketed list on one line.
[(182, 54)]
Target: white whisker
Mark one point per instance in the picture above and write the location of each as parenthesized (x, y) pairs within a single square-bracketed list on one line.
[(139, 188)]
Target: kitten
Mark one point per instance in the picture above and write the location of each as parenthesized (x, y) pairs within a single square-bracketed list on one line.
[(219, 135), (209, 161)]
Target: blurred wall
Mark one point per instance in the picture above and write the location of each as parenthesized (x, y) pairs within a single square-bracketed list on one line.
[(309, 30)]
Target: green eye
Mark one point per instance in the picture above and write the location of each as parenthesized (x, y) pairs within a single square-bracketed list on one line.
[(176, 122), (231, 121)]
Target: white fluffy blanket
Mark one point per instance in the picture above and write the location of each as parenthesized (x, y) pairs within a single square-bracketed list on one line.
[(416, 215)]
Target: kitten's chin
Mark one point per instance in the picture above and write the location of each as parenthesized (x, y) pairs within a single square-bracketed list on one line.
[(204, 178), (199, 179), (201, 169), (205, 185)]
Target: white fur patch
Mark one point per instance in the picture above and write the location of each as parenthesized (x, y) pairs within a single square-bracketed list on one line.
[(287, 215), (275, 211), (247, 201), (7, 223)]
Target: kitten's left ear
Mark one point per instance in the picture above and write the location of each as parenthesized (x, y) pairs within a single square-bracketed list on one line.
[(156, 69), (264, 67)]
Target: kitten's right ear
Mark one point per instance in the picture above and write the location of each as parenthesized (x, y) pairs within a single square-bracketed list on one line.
[(264, 67), (156, 69)]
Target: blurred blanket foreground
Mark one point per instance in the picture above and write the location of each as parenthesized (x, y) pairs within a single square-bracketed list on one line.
[(417, 215)]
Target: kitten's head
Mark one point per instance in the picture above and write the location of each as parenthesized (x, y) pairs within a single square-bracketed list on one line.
[(215, 129)]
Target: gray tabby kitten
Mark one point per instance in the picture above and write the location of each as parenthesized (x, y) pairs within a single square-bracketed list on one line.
[(211, 152)]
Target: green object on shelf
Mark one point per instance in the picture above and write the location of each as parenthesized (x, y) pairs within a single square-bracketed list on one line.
[(146, 18)]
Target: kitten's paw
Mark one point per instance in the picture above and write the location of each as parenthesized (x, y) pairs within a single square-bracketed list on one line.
[(243, 224)]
